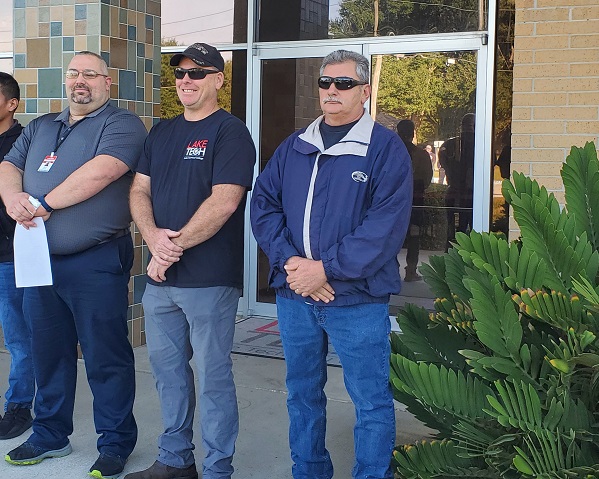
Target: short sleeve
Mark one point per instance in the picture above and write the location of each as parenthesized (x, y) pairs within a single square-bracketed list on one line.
[(235, 155), (123, 137)]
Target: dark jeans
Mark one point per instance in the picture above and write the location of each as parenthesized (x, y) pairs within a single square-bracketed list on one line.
[(87, 303)]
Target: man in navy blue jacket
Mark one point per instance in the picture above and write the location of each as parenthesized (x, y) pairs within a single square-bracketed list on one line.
[(331, 210)]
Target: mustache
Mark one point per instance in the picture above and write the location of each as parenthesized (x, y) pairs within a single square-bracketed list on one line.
[(80, 86), (329, 99)]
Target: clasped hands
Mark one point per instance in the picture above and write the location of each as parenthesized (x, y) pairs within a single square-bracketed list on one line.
[(164, 251), (20, 209), (307, 278)]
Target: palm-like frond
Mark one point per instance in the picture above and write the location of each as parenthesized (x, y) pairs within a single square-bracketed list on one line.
[(580, 175)]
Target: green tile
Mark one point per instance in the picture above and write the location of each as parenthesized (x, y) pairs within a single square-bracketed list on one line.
[(44, 14), (19, 23), (105, 19), (93, 43), (56, 52), (43, 106), (132, 55), (49, 82), (32, 3), (140, 71)]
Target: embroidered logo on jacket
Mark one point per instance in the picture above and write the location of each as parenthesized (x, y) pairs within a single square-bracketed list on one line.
[(196, 150), (359, 177)]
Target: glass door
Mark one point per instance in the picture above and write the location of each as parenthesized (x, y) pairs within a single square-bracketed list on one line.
[(285, 100), (438, 82)]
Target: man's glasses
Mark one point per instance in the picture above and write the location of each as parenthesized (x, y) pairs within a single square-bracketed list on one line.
[(71, 74), (194, 73), (341, 83)]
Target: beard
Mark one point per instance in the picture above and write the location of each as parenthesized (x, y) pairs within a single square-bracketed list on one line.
[(81, 98)]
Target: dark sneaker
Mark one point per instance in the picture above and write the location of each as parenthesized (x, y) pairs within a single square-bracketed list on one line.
[(107, 466), (162, 471), (27, 454), (15, 422)]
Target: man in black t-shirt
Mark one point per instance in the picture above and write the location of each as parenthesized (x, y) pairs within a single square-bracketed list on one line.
[(188, 199)]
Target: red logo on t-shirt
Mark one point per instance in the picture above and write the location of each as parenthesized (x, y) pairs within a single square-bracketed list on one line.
[(196, 150)]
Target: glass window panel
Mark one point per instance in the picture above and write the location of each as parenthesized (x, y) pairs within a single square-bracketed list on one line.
[(207, 21), (504, 66), (289, 101), (437, 92), (322, 19), (231, 97)]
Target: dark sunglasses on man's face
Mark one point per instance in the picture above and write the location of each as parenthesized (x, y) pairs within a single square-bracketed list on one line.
[(194, 73), (341, 83)]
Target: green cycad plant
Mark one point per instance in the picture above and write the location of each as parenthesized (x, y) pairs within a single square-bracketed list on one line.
[(506, 368)]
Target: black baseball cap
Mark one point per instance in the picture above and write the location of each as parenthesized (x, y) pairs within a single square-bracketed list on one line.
[(202, 54)]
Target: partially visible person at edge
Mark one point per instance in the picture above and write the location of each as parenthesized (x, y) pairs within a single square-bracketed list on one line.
[(188, 200), (73, 170), (331, 210), (422, 174), (17, 333)]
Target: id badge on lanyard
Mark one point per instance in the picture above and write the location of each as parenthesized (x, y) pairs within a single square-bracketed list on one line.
[(49, 160), (47, 163)]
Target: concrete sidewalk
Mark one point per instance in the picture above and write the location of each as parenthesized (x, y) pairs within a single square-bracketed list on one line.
[(262, 450)]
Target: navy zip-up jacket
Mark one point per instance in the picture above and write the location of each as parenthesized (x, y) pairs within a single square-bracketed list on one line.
[(348, 205)]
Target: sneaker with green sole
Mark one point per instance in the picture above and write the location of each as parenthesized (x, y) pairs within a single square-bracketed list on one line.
[(27, 454), (107, 466)]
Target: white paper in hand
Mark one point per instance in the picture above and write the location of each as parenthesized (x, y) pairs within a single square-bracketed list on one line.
[(32, 256)]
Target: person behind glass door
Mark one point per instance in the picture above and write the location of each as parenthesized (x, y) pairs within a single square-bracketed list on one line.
[(16, 329), (422, 171), (456, 156), (331, 210), (188, 200), (73, 170)]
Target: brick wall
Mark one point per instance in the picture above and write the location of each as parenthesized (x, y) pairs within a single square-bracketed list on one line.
[(556, 85)]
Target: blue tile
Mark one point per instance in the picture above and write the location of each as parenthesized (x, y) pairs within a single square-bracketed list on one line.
[(20, 60), (55, 29), (49, 81), (140, 94), (156, 81), (19, 4), (127, 85), (155, 121), (105, 1), (141, 50), (149, 66), (106, 57), (80, 12), (30, 106), (68, 44), (131, 32), (149, 22)]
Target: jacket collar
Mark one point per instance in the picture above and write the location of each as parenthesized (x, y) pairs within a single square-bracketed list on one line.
[(356, 141)]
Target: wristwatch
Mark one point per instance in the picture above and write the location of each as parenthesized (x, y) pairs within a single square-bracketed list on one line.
[(34, 201), (46, 206)]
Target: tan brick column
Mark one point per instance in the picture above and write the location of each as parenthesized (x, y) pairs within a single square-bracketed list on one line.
[(556, 85)]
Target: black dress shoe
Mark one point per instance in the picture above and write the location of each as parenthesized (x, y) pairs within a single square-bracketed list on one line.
[(162, 471)]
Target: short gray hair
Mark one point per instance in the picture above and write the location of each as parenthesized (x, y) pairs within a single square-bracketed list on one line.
[(342, 56), (99, 57)]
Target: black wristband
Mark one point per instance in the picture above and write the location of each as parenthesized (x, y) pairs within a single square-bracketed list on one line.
[(46, 206)]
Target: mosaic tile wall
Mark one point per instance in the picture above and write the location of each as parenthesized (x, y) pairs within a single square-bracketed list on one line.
[(126, 33)]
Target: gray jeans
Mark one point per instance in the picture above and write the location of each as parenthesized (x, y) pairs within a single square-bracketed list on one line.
[(200, 322)]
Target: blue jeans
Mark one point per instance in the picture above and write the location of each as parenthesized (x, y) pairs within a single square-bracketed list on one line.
[(360, 335), (182, 323), (87, 303), (17, 338)]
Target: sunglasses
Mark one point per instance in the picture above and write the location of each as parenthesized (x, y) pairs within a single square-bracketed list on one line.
[(71, 74), (194, 73), (341, 83)]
